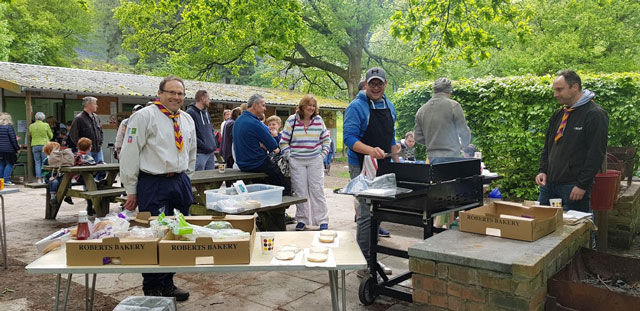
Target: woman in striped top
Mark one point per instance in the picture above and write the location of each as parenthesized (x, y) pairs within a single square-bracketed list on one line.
[(305, 141)]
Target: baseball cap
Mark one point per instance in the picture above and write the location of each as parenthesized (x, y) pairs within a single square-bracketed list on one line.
[(376, 73), (137, 107)]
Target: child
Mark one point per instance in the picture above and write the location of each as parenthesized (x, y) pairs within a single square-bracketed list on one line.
[(53, 181), (274, 123), (408, 145), (84, 158), (327, 159)]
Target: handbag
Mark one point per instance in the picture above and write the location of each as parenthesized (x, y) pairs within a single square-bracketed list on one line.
[(283, 162), (61, 157)]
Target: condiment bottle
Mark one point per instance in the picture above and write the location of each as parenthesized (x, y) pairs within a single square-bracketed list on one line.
[(83, 226)]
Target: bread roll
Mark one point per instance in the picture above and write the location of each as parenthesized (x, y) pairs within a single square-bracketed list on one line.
[(285, 255), (74, 232), (330, 233), (102, 225), (53, 245), (317, 257), (325, 239), (289, 248), (319, 250)]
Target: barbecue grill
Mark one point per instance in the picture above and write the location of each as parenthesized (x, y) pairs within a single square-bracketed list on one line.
[(424, 191)]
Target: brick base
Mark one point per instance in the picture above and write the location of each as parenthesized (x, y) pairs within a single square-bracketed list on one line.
[(447, 286)]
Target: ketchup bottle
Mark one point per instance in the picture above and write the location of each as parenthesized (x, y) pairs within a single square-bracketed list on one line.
[(83, 226)]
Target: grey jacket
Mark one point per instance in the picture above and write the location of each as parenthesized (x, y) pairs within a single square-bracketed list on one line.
[(441, 127)]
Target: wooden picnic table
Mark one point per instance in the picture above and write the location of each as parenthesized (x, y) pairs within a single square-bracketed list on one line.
[(100, 201)]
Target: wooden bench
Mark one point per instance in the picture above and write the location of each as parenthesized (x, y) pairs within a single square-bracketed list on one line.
[(101, 198), (34, 185), (286, 202)]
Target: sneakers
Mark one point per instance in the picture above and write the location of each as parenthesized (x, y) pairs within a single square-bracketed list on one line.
[(8, 183), (324, 226), (68, 200), (300, 226), (383, 233), (178, 293), (40, 181)]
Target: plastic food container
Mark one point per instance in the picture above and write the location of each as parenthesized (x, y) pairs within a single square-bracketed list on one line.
[(265, 194)]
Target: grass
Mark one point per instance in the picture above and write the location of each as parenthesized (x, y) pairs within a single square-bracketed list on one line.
[(339, 133)]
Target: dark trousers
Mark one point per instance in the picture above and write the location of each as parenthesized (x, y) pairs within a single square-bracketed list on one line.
[(158, 194), (272, 220)]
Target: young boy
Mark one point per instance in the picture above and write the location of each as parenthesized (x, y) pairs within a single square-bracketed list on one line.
[(409, 147), (274, 123), (84, 158)]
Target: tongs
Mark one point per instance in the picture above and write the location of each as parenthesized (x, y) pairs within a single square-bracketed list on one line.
[(392, 154)]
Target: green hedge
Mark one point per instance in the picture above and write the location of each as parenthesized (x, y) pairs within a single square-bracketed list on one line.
[(508, 118)]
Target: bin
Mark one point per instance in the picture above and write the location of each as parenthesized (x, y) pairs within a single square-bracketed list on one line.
[(605, 190)]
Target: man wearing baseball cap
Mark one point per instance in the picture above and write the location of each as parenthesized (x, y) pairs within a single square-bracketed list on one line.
[(368, 129), (122, 130)]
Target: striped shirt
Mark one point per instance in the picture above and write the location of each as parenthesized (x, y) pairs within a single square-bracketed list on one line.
[(306, 142)]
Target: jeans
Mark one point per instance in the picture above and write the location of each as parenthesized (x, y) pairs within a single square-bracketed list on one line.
[(5, 170), (97, 156), (562, 191), (54, 185), (38, 157), (205, 161), (436, 160), (363, 230)]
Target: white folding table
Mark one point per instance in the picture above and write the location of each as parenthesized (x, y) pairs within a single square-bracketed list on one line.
[(347, 257)]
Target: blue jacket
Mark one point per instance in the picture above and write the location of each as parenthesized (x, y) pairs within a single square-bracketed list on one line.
[(248, 133), (204, 130), (8, 142), (356, 121)]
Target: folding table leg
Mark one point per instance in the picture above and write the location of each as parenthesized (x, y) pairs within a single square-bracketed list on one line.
[(344, 291), (57, 290), (86, 291), (66, 294), (334, 291), (93, 291)]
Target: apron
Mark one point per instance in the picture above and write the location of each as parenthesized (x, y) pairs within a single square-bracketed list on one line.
[(379, 131)]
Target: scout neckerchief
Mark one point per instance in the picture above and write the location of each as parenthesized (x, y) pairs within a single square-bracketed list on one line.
[(176, 128), (563, 123)]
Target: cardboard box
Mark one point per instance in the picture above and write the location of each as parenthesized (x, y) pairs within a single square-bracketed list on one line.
[(205, 250), (130, 251), (559, 217), (511, 220)]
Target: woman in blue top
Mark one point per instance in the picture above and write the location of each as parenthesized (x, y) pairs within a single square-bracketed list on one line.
[(8, 147)]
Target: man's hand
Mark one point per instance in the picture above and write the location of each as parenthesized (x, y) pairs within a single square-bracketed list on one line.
[(376, 153), (132, 202), (277, 150), (576, 194), (541, 179)]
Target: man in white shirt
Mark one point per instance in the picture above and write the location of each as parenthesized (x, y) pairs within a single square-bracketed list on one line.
[(159, 150)]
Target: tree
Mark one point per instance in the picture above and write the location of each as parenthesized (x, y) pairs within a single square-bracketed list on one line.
[(324, 45), (446, 30), (5, 35), (45, 31)]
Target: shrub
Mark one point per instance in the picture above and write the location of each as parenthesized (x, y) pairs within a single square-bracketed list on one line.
[(508, 118)]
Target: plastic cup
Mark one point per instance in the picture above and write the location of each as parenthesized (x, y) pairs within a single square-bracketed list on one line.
[(221, 168), (267, 240), (555, 202), (1, 184)]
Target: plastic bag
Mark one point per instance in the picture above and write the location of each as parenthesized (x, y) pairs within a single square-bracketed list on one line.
[(219, 224), (147, 303), (361, 183), (53, 241), (369, 167)]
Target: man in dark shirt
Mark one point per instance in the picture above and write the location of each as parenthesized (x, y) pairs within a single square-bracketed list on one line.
[(575, 145), (86, 124)]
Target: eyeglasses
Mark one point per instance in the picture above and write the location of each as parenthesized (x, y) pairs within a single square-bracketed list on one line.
[(375, 85), (172, 93)]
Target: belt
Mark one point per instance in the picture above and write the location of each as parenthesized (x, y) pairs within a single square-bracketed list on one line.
[(167, 175)]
